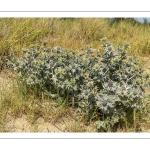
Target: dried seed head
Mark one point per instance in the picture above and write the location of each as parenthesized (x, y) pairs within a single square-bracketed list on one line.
[(86, 75), (122, 92)]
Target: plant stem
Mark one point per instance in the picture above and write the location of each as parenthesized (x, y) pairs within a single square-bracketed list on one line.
[(42, 96), (73, 102), (58, 91), (67, 95), (103, 116), (134, 118)]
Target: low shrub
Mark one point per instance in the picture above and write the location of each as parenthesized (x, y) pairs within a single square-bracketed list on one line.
[(108, 87)]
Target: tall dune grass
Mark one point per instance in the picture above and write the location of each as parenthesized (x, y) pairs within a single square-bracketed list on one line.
[(74, 33)]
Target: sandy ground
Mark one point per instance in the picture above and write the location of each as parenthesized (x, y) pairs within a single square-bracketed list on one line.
[(22, 125), (5, 79)]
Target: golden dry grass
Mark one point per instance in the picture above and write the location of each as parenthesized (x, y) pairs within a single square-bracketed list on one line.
[(19, 33)]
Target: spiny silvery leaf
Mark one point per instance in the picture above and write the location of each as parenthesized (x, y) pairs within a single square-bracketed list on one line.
[(57, 48), (110, 48), (86, 92), (77, 77), (90, 50), (75, 87), (90, 84), (54, 95), (57, 71), (73, 70), (48, 65), (96, 66), (30, 81), (110, 83)]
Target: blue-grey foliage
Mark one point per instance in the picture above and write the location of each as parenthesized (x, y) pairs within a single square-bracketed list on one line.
[(110, 85)]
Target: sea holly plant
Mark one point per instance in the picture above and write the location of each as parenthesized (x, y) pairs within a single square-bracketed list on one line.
[(108, 86)]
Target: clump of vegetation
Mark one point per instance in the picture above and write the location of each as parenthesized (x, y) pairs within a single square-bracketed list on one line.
[(107, 88)]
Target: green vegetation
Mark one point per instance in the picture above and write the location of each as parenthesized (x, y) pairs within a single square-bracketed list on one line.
[(104, 85)]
